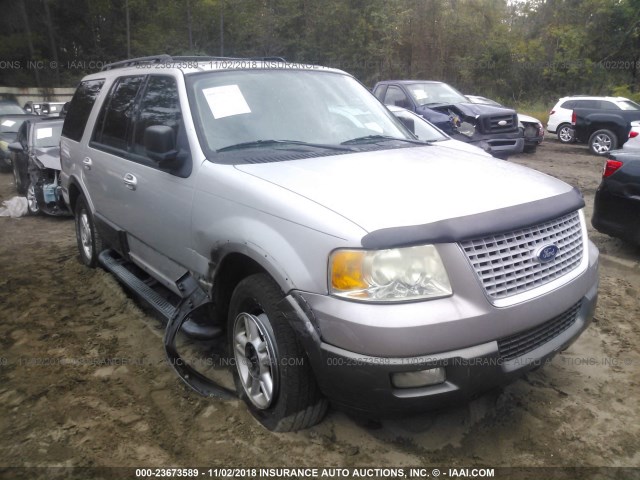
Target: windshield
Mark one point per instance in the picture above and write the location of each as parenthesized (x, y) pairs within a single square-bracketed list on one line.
[(48, 135), (628, 105), (266, 108), (433, 93)]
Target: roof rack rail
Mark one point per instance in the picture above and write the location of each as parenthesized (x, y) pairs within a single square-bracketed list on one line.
[(137, 61), (184, 58), (204, 58)]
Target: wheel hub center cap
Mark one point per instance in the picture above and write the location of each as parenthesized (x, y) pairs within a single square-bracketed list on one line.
[(252, 357)]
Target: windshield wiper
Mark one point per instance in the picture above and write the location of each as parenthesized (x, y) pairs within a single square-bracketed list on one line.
[(377, 138), (267, 143)]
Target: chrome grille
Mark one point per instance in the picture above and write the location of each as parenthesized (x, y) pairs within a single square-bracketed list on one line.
[(517, 345), (493, 123), (506, 264)]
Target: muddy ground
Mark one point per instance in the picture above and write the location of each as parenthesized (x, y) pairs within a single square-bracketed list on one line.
[(60, 405)]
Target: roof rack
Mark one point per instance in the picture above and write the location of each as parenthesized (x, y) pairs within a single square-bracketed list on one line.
[(193, 58), (137, 61)]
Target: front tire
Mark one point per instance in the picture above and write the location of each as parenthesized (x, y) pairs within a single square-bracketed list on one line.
[(32, 200), (272, 373), (88, 238), (602, 142), (566, 133)]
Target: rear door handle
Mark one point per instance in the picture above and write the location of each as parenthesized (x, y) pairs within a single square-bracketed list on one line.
[(87, 162), (130, 181)]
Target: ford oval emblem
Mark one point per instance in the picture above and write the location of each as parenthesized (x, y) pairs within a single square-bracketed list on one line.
[(502, 123), (546, 253)]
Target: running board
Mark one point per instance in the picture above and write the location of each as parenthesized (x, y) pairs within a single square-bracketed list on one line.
[(193, 297), (117, 266)]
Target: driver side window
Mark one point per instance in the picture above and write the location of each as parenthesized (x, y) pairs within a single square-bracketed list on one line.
[(395, 96)]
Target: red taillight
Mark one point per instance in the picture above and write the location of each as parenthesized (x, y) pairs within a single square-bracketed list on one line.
[(633, 134), (573, 117), (552, 112), (610, 168)]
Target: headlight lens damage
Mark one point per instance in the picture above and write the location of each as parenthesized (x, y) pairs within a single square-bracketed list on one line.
[(397, 274)]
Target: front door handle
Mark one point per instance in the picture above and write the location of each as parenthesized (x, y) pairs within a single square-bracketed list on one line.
[(87, 162), (130, 181)]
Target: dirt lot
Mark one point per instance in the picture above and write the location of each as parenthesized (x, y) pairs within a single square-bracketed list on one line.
[(60, 406)]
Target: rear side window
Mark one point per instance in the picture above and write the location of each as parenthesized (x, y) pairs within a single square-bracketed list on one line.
[(569, 105), (605, 105), (80, 109), (114, 123), (587, 104)]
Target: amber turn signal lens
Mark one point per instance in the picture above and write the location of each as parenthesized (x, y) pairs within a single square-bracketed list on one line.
[(346, 270)]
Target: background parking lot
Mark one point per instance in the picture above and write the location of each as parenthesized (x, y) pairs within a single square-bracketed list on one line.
[(83, 379)]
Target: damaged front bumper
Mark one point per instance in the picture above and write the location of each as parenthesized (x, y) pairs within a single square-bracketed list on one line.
[(365, 381), (500, 146)]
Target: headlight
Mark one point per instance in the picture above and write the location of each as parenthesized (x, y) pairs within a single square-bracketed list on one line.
[(397, 274), (4, 146), (467, 129)]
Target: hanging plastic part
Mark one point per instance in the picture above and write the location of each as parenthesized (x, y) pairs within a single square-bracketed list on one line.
[(193, 298)]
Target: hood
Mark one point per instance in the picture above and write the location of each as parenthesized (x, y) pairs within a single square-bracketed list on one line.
[(475, 109), (460, 146), (49, 157), (439, 119), (408, 186)]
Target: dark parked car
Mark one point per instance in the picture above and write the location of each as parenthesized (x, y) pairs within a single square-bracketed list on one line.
[(36, 165), (9, 126), (606, 128), (9, 107), (452, 112), (617, 204)]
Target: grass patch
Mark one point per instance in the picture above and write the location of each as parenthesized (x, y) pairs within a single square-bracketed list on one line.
[(537, 110)]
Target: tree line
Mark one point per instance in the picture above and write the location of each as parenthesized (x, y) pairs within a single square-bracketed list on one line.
[(513, 51)]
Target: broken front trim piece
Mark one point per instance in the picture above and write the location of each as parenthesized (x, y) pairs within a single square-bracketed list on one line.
[(178, 317)]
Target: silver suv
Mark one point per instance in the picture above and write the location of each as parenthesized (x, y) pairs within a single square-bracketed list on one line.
[(344, 259)]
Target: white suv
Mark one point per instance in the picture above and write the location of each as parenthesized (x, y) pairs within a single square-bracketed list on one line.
[(560, 115)]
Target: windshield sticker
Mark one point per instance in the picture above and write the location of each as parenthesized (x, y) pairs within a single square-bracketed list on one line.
[(420, 94), (226, 101), (8, 123), (44, 133)]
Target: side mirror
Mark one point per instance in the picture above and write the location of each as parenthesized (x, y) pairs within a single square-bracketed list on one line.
[(160, 144), (16, 147)]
